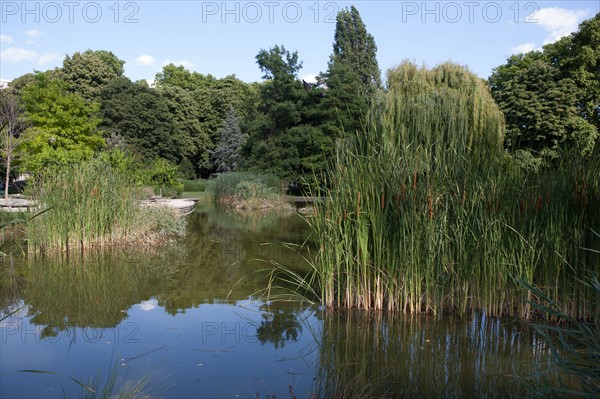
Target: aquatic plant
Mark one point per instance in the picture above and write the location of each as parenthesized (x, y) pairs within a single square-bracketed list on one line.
[(425, 212), (93, 205)]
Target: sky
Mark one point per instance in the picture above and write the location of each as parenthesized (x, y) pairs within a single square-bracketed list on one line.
[(223, 37)]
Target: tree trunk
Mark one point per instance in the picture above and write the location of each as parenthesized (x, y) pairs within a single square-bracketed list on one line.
[(8, 157)]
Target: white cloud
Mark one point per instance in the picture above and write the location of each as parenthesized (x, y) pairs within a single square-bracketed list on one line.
[(148, 305), (524, 48), (559, 21), (144, 59), (309, 78), (15, 54), (6, 39), (49, 58), (34, 33), (184, 63)]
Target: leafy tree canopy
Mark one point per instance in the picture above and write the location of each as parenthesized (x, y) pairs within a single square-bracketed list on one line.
[(551, 98), (88, 72), (355, 48), (141, 116), (285, 136), (63, 126)]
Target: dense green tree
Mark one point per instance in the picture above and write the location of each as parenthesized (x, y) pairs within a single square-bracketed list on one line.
[(550, 98), (355, 48), (353, 75), (540, 107), (178, 75), (19, 83), (141, 116), (211, 98), (577, 56), (226, 156), (62, 125), (285, 136), (88, 72), (195, 140)]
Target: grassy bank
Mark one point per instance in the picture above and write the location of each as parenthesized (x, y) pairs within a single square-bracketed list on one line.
[(93, 205), (426, 213)]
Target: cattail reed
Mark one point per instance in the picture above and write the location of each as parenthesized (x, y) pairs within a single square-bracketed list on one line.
[(476, 221)]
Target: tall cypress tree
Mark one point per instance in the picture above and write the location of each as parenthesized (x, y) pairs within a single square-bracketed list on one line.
[(355, 48), (353, 74)]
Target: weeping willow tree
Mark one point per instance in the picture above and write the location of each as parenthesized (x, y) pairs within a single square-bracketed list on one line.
[(424, 212), (440, 117)]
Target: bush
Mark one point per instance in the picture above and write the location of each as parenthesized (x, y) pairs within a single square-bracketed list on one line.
[(160, 174)]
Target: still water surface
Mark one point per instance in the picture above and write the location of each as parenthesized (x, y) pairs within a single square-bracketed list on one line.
[(188, 317)]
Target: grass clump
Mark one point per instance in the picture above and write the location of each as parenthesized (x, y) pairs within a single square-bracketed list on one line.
[(246, 190), (93, 204)]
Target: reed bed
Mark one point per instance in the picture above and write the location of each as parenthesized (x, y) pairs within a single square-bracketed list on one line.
[(93, 205), (427, 214)]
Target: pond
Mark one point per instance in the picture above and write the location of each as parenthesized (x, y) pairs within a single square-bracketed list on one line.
[(187, 319)]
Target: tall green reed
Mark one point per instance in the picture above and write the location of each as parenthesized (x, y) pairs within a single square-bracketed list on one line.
[(91, 204), (426, 213)]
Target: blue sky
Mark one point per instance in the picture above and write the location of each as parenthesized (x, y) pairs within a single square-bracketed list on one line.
[(223, 37)]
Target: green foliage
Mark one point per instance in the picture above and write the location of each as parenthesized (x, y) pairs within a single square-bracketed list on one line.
[(140, 115), (63, 126), (194, 185), (172, 75), (203, 116), (355, 48), (158, 173), (443, 114), (286, 137), (89, 72), (12, 125), (551, 98), (577, 56), (226, 156), (195, 137), (346, 105), (353, 75), (426, 214), (164, 177)]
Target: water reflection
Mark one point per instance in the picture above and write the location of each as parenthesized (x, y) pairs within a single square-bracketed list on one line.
[(219, 261), (281, 322), (188, 308), (397, 356)]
